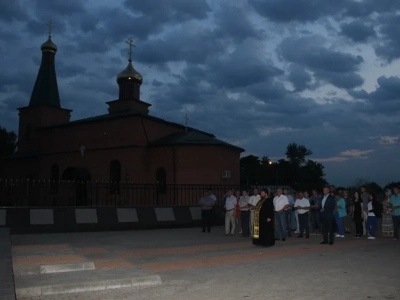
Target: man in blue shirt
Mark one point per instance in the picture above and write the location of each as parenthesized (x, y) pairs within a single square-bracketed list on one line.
[(395, 202)]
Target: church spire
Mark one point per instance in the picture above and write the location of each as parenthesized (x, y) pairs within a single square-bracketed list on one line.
[(129, 80), (45, 91)]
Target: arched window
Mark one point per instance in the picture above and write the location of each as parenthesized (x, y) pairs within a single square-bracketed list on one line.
[(161, 179), (55, 173), (115, 177)]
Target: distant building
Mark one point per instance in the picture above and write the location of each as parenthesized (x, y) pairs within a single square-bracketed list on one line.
[(127, 144)]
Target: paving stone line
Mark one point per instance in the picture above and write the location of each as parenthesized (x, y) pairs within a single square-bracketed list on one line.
[(95, 285), (56, 268), (46, 259)]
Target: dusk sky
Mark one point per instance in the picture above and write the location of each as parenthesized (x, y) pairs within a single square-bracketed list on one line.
[(257, 74)]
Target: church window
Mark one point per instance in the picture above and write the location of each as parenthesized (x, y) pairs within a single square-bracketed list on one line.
[(55, 173), (115, 177), (161, 179)]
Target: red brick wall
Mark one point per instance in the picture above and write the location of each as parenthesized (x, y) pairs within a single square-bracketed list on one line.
[(31, 118), (204, 164), (125, 140)]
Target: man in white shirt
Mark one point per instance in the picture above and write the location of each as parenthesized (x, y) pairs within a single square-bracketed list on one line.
[(230, 205), (252, 204), (302, 206), (281, 203)]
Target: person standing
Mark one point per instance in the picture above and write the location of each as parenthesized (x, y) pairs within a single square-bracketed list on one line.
[(387, 221), (238, 224), (245, 214), (372, 214), (290, 214), (230, 205), (395, 202), (365, 199), (252, 204), (281, 203), (295, 213), (357, 214), (340, 213), (347, 221), (328, 205), (207, 204), (302, 206), (214, 209), (332, 189), (264, 221), (315, 203)]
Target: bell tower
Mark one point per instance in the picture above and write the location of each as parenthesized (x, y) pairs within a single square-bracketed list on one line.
[(44, 107), (129, 82)]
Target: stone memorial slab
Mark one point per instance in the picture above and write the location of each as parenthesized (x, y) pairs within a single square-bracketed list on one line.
[(86, 215), (164, 214), (127, 215), (41, 216), (196, 213)]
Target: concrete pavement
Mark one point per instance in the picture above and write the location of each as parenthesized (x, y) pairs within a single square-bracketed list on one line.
[(195, 265)]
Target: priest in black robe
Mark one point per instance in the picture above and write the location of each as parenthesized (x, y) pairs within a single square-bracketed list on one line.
[(263, 230)]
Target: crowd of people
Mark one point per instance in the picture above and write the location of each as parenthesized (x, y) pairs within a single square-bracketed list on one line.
[(267, 218)]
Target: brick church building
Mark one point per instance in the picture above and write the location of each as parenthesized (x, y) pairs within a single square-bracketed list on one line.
[(126, 144)]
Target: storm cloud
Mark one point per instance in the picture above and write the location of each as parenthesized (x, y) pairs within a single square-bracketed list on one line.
[(257, 73)]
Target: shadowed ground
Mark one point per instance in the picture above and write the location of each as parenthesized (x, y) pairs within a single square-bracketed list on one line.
[(195, 265)]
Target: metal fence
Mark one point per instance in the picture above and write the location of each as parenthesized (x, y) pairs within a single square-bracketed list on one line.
[(27, 192)]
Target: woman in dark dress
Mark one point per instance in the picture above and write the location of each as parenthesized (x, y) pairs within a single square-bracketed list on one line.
[(357, 215), (263, 230)]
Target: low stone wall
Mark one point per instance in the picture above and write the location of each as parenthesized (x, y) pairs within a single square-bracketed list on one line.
[(71, 219)]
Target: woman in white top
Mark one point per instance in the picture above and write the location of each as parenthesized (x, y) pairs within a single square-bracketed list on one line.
[(371, 220)]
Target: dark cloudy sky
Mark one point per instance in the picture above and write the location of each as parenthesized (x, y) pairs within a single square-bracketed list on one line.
[(258, 74)]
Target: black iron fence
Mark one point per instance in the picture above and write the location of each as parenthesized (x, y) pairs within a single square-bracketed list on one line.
[(27, 192)]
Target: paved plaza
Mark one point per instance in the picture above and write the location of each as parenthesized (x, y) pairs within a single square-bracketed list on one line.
[(187, 264)]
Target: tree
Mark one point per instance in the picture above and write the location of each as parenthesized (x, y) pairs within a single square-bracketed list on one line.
[(311, 176), (296, 171), (8, 142), (371, 186), (249, 170), (254, 170), (303, 173), (296, 154), (391, 185)]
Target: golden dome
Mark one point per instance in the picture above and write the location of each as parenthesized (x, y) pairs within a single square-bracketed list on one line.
[(49, 46), (130, 74)]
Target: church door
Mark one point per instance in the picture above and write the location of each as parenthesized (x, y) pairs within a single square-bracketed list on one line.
[(81, 178), (161, 179)]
